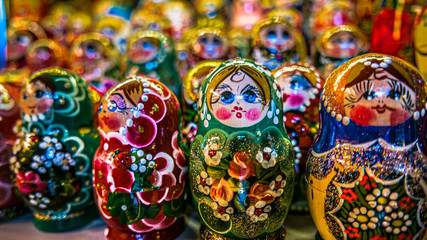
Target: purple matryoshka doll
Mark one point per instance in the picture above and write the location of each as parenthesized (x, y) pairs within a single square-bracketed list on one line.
[(139, 170), (301, 86), (366, 174)]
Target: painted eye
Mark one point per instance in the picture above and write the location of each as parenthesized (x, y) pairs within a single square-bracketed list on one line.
[(227, 97), (285, 35), (147, 46), (393, 95), (249, 96), (217, 42), (23, 40), (39, 94), (25, 96), (272, 35), (112, 106), (368, 95), (204, 40), (298, 82), (100, 108)]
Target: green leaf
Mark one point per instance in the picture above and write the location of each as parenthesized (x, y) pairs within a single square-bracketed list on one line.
[(125, 207), (224, 164), (174, 208), (216, 173), (152, 210)]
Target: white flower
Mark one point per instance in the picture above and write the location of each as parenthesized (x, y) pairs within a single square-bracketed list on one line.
[(258, 212), (222, 210), (277, 185), (267, 157), (212, 155), (38, 200), (363, 218), (382, 200), (396, 222), (204, 182)]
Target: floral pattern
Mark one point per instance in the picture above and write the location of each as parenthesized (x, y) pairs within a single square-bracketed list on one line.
[(267, 157), (242, 166), (212, 155)]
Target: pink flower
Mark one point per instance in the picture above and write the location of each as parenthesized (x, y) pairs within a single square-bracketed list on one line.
[(178, 155), (142, 132), (29, 182)]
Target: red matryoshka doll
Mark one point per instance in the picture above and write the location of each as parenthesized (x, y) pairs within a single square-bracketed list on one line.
[(420, 43), (333, 13), (139, 170), (275, 42), (337, 45), (20, 34), (246, 13), (96, 59), (115, 28), (181, 17), (10, 205), (301, 86), (52, 157), (191, 86), (366, 173), (241, 162), (45, 53)]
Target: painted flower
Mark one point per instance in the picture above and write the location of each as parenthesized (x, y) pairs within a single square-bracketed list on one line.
[(267, 157), (259, 211), (277, 185), (348, 194), (367, 182), (204, 182), (378, 238), (261, 192), (406, 203), (222, 210), (396, 222), (212, 155), (242, 166), (352, 232), (38, 200), (404, 236), (179, 157), (141, 131), (221, 192), (382, 200), (362, 218), (29, 182)]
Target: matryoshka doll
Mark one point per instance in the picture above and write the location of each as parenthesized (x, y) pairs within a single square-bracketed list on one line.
[(366, 174), (301, 86), (246, 13), (52, 157), (337, 45), (10, 205), (210, 8), (20, 34), (96, 59), (139, 170), (420, 43), (45, 53), (241, 162), (181, 16), (143, 19), (275, 42), (191, 86), (117, 29), (151, 53)]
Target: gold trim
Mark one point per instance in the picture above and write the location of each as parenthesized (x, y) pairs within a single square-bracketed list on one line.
[(58, 216), (207, 234), (324, 37), (199, 69), (111, 51)]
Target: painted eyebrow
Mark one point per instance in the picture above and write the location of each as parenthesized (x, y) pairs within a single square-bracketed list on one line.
[(117, 94), (223, 86), (249, 87)]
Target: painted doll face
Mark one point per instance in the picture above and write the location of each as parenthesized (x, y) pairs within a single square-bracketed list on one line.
[(37, 98), (115, 111), (210, 46), (17, 44), (342, 45), (42, 57), (297, 91), (143, 50), (238, 101), (380, 100), (277, 37), (89, 60)]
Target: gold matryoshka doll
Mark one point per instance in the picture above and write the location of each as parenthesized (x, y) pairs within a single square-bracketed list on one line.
[(366, 174)]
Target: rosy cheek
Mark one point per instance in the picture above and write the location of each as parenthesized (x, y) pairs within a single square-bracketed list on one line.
[(362, 115), (398, 116), (223, 114), (296, 100), (253, 114), (43, 105), (113, 123)]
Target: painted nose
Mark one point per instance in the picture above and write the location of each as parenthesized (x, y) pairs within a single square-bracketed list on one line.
[(210, 49), (344, 45)]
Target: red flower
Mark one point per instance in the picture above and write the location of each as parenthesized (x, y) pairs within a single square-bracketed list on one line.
[(366, 184), (378, 238), (242, 166), (351, 195), (29, 182), (142, 132), (404, 236), (406, 203), (260, 192), (221, 191), (352, 232)]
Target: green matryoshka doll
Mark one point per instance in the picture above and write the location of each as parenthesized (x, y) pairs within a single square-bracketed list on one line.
[(151, 53), (52, 157), (241, 161)]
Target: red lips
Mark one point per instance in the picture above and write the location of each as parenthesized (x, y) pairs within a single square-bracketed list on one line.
[(381, 109)]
